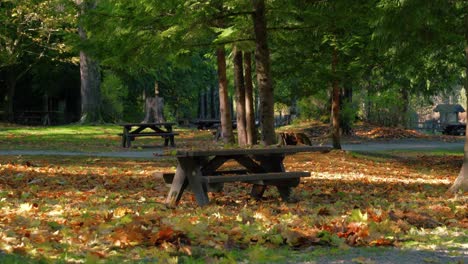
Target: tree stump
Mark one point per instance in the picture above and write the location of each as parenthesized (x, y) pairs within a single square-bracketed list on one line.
[(154, 110), (291, 138)]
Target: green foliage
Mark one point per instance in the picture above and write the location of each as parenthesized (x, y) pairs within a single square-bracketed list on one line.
[(314, 107), (114, 93), (385, 108)]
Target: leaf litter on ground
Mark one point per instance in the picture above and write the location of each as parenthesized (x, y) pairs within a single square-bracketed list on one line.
[(102, 208)]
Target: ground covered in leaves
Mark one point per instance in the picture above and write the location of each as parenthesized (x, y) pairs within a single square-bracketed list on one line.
[(78, 209)]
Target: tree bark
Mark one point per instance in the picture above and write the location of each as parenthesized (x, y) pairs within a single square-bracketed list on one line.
[(154, 107), (249, 100), (11, 88), (346, 120), (404, 116), (335, 111), (461, 182), (90, 90), (265, 86), (212, 102), (90, 80), (240, 97), (224, 107)]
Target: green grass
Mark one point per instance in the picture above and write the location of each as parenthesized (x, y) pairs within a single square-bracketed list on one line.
[(71, 138)]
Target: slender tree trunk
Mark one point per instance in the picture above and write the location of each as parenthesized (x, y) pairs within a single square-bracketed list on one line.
[(461, 182), (265, 86), (335, 111), (249, 100), (212, 102), (346, 118), (200, 104), (404, 115), (224, 106), (11, 88), (240, 97)]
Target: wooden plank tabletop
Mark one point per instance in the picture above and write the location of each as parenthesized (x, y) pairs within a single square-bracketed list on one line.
[(252, 151)]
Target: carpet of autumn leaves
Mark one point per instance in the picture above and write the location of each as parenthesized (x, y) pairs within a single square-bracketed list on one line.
[(77, 208)]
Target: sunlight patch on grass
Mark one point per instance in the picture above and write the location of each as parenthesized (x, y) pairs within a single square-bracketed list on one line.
[(411, 178)]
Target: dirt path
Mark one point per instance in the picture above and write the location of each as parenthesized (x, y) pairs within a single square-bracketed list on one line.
[(405, 145)]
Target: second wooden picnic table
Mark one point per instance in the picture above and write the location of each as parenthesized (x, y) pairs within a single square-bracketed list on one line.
[(133, 130), (200, 169)]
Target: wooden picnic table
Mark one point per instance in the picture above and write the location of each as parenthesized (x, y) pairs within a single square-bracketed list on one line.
[(200, 170), (133, 130), (204, 124)]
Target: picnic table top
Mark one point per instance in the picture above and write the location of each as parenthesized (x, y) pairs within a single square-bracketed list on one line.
[(148, 124), (251, 151), (206, 121)]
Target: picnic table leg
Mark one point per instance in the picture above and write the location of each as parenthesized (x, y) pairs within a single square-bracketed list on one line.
[(179, 183), (129, 141), (193, 170), (274, 163), (188, 172), (257, 191), (124, 137), (171, 138)]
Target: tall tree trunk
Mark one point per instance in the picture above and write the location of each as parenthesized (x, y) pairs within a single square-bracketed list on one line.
[(404, 115), (90, 78), (249, 100), (335, 111), (212, 102), (90, 90), (265, 86), (224, 106), (346, 117), (461, 182), (11, 88), (240, 97)]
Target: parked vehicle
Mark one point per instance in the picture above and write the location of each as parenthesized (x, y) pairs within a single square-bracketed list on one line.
[(455, 129)]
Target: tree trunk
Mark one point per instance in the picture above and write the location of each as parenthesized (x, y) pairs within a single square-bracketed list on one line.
[(249, 100), (335, 111), (90, 79), (265, 87), (11, 88), (154, 107), (240, 97), (90, 90), (461, 183), (212, 102), (404, 115), (224, 107), (346, 117)]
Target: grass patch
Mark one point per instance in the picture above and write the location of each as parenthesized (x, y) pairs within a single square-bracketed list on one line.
[(83, 138)]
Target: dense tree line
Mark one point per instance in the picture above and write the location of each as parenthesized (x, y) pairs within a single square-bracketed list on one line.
[(332, 60)]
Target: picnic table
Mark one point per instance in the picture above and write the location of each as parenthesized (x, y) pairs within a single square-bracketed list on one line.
[(201, 171), (204, 124), (133, 130), (36, 117)]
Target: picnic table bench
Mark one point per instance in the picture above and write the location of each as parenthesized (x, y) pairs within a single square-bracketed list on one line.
[(201, 171), (163, 130)]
